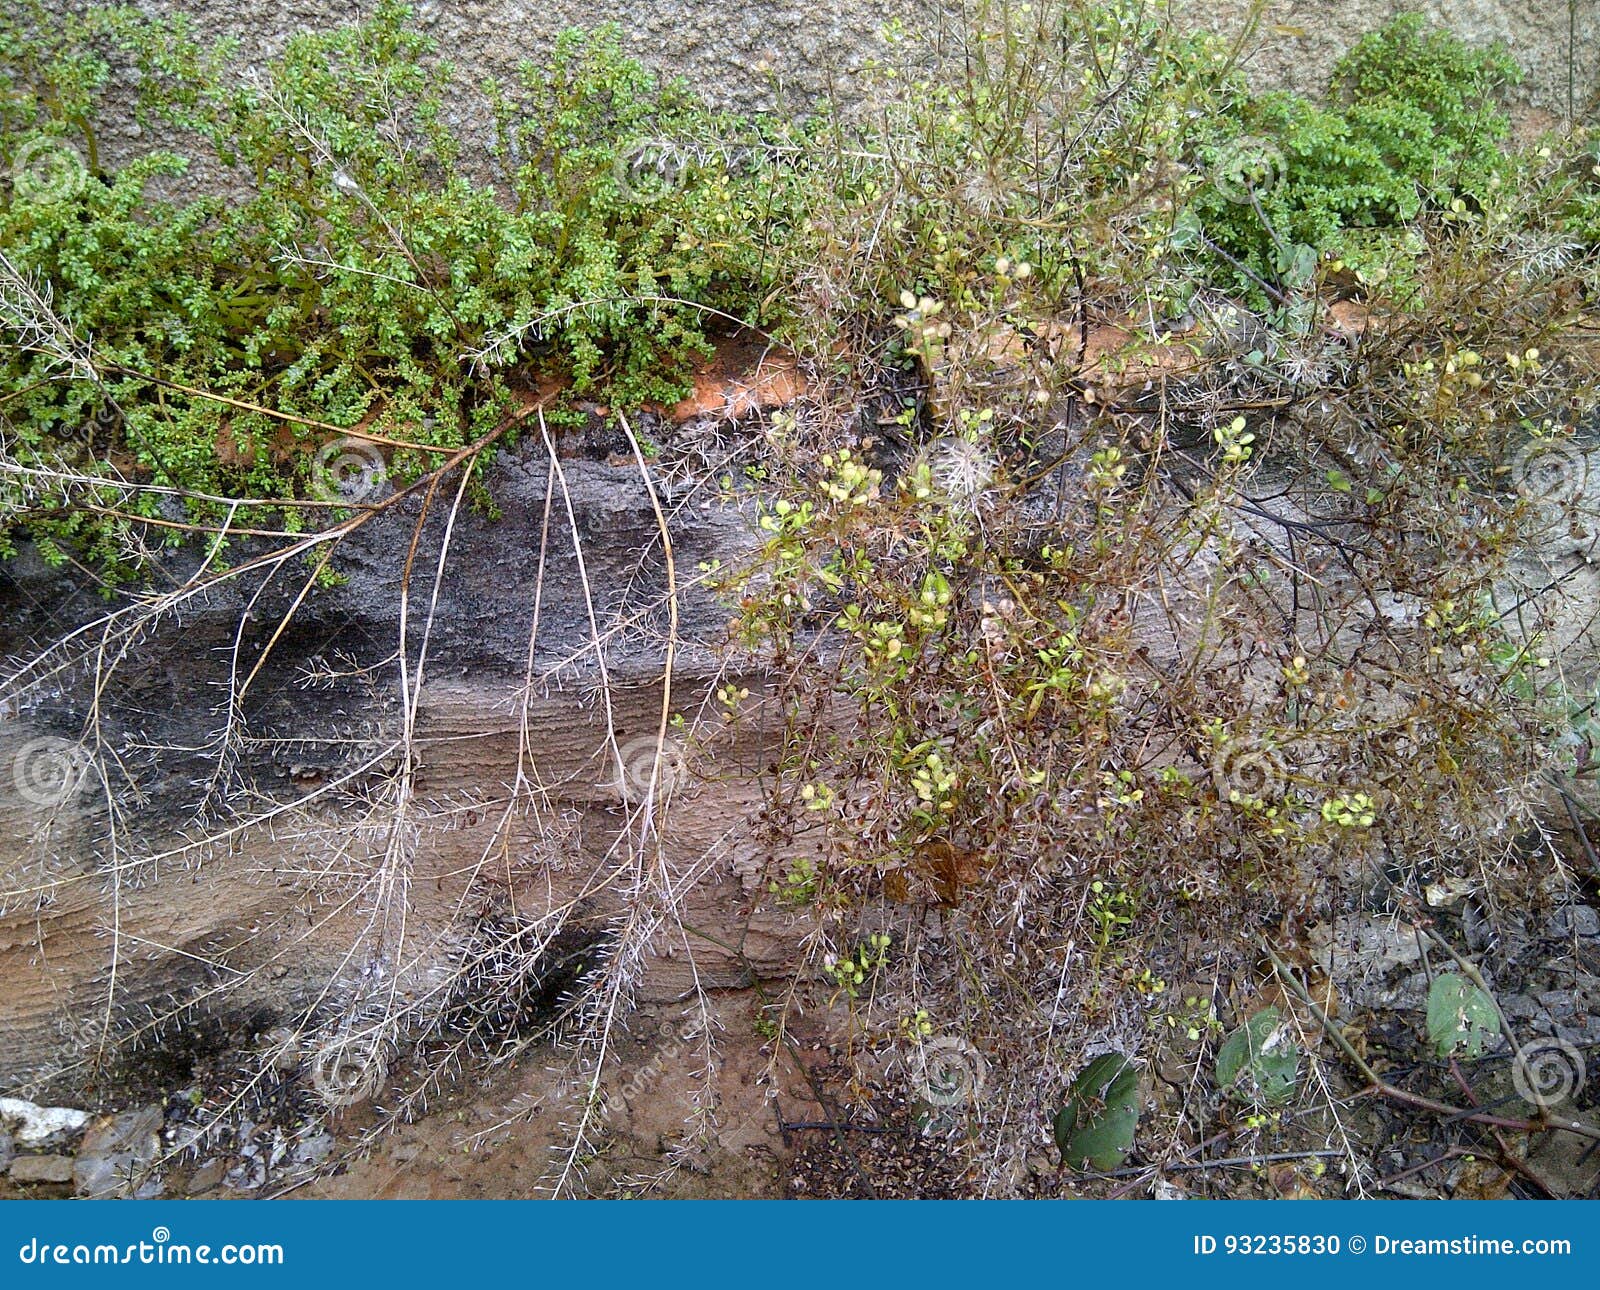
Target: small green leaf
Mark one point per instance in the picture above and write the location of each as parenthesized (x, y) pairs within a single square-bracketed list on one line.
[(1461, 1017), (1187, 231), (1095, 1128), (1260, 1061)]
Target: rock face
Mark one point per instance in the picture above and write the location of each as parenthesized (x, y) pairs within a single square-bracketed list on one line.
[(264, 846), (807, 50), (1298, 41)]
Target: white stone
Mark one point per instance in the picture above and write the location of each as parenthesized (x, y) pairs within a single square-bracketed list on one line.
[(33, 1126)]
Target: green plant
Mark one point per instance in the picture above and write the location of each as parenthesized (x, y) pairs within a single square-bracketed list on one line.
[(368, 281), (1461, 1017), (1195, 1019), (799, 882), (1112, 911), (1413, 119), (851, 973), (1095, 1129), (1260, 1061)]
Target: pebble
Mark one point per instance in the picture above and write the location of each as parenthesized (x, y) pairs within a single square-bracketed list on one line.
[(1575, 921), (117, 1150), (41, 1169), (38, 1126)]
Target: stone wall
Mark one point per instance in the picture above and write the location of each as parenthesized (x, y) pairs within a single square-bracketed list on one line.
[(756, 55)]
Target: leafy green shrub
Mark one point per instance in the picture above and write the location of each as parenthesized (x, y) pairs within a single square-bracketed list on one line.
[(370, 275), (1413, 117), (366, 276)]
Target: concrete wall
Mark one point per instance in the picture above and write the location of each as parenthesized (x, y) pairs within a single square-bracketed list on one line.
[(749, 55), (1299, 40)]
